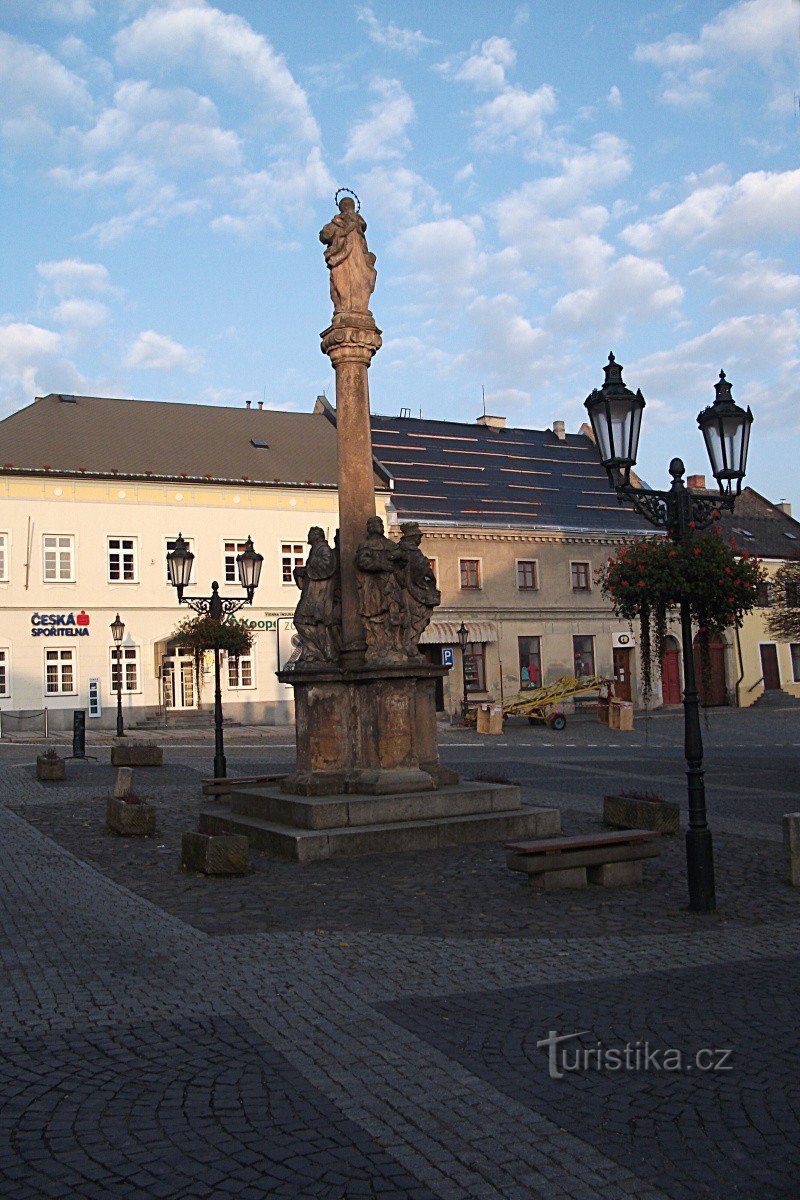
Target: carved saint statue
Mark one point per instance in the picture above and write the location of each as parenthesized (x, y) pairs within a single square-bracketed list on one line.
[(314, 617), (380, 565), (349, 260), (420, 592)]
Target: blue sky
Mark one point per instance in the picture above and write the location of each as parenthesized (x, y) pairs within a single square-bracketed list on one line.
[(542, 183)]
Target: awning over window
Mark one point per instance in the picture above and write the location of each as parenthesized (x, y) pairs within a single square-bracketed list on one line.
[(445, 633)]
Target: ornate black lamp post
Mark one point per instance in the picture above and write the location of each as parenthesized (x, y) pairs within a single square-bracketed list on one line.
[(616, 415), (462, 633), (248, 564), (118, 633)]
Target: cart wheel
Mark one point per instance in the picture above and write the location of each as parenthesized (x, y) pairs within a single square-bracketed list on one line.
[(558, 721)]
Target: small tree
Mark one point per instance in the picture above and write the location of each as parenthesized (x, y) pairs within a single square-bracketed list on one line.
[(783, 621), (649, 578)]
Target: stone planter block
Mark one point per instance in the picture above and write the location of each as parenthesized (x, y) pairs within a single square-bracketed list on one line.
[(50, 770), (215, 854), (791, 846), (130, 820), (128, 754), (124, 782), (631, 812)]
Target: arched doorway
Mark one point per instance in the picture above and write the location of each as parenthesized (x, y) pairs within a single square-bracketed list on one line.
[(670, 672), (713, 693)]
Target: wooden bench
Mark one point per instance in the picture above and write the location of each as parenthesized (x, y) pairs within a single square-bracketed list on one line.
[(222, 786), (610, 859)]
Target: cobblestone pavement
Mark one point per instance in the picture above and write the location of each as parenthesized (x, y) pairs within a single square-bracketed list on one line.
[(370, 1028)]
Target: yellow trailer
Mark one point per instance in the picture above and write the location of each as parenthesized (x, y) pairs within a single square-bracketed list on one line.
[(541, 705)]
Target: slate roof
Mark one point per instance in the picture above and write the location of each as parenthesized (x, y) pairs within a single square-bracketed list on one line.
[(100, 436), (448, 472), (761, 528)]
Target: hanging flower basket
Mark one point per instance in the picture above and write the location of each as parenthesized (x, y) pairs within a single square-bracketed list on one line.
[(201, 633), (648, 579)]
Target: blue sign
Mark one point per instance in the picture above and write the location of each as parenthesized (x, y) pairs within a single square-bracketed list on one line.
[(447, 656)]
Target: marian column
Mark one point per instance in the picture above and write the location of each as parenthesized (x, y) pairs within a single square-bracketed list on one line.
[(350, 341)]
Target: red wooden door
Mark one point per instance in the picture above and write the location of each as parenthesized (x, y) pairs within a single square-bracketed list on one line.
[(622, 674), (769, 667), (713, 693), (670, 674)]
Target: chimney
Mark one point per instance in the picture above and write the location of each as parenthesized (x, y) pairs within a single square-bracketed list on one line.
[(785, 507), (559, 429), (260, 405), (492, 422), (696, 483), (247, 403)]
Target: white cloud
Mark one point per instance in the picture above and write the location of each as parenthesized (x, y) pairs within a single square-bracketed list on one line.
[(396, 193), (155, 351), (628, 289), (514, 119), (66, 10), (408, 41), (382, 134), (764, 32), (760, 204), (69, 276), (80, 315), (614, 97), (440, 254), (507, 342), (464, 174), (194, 34), (25, 351), (486, 68), (261, 198), (35, 89), (756, 281)]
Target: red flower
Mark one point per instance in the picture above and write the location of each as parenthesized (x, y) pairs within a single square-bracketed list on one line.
[(697, 550), (692, 525), (642, 583)]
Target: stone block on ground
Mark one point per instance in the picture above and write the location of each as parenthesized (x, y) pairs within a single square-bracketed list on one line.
[(791, 847), (641, 812), (130, 820), (615, 874), (556, 881), (136, 754), (215, 854), (124, 783)]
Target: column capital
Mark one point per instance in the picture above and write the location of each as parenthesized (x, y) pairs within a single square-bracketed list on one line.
[(351, 338)]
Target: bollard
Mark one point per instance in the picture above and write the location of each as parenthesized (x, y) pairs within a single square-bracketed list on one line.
[(791, 847)]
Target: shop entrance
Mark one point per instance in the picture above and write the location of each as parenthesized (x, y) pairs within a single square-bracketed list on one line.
[(622, 674), (670, 673), (178, 682)]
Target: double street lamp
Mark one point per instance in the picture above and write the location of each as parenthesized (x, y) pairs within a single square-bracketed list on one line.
[(248, 565), (616, 416), (118, 633), (462, 633)]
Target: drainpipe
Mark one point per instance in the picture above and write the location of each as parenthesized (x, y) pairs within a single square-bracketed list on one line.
[(738, 683)]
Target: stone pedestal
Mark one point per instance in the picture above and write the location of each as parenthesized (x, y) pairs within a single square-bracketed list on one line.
[(366, 730)]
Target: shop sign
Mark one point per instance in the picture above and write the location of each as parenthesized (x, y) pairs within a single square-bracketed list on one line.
[(623, 639), (267, 622), (60, 624)]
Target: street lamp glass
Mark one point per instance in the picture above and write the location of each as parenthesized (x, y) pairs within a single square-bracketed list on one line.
[(249, 564), (616, 416), (117, 629), (463, 636), (179, 565), (726, 431)]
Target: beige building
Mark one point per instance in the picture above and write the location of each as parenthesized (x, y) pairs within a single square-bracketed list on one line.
[(93, 492)]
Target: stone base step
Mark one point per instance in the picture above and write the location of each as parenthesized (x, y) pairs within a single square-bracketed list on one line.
[(776, 698), (337, 811), (309, 845)]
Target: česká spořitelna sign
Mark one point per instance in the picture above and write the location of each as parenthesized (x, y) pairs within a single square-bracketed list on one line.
[(60, 624)]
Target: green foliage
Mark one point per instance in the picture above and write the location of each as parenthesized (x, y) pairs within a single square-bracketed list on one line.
[(783, 620), (649, 578)]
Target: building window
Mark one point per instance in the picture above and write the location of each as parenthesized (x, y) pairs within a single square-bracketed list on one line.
[(795, 652), (5, 674), (59, 558), (433, 563), (470, 569), (475, 666), (583, 656), (530, 662), (792, 592), (580, 577), (765, 595), (292, 555), (171, 544), (122, 560), (231, 551), (130, 669), (527, 575), (3, 558), (60, 673), (240, 671)]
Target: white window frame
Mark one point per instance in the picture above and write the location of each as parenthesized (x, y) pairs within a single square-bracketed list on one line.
[(169, 544), (130, 653), (62, 651), (238, 660), (581, 562), (434, 563), (121, 551), (5, 687), (69, 537), (795, 673), (535, 563), (5, 552), (239, 544), (479, 561), (292, 557)]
